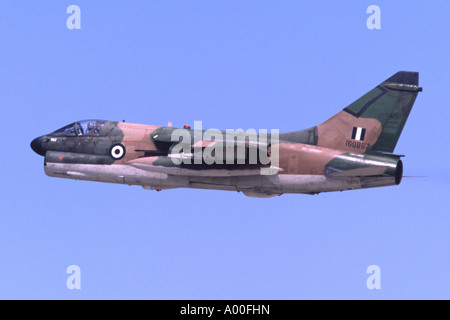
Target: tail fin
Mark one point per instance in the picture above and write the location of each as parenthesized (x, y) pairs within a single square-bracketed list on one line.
[(375, 121)]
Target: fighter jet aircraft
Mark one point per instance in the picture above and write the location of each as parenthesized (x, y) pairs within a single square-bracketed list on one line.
[(352, 150)]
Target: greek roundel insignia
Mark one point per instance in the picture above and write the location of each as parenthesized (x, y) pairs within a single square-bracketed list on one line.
[(358, 134), (118, 151)]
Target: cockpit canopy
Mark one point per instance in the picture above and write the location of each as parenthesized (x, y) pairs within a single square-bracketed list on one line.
[(81, 128)]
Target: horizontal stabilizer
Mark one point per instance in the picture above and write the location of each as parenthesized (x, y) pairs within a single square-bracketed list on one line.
[(360, 172)]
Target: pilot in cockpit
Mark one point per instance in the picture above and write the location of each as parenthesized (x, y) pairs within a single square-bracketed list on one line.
[(92, 129)]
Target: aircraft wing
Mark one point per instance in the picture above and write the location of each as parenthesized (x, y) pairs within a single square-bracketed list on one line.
[(220, 156)]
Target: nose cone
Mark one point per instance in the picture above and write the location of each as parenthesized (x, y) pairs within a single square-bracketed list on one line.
[(37, 147)]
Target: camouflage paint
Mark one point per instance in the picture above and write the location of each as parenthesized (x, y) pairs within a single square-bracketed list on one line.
[(351, 150)]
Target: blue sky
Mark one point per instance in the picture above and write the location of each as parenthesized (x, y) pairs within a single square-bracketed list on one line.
[(231, 64)]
